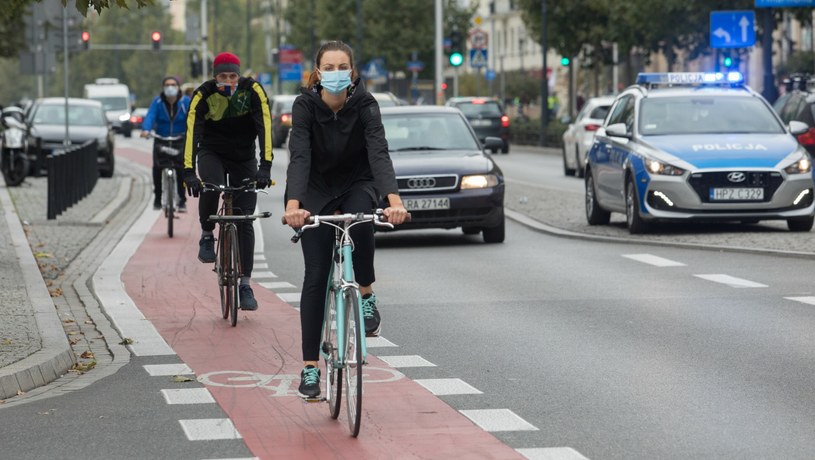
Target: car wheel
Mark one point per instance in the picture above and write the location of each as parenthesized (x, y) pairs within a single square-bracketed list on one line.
[(595, 215), (505, 148), (470, 230), (578, 167), (107, 170), (632, 209), (494, 151), (800, 225), (566, 170), (495, 234)]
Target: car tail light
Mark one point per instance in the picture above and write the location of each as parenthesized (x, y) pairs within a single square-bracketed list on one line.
[(285, 118), (591, 127), (808, 138), (504, 121)]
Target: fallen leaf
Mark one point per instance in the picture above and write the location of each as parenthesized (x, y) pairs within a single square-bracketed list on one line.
[(20, 392), (74, 332), (83, 367), (74, 341), (126, 341), (40, 255), (68, 321), (87, 321), (7, 342), (87, 355), (181, 378)]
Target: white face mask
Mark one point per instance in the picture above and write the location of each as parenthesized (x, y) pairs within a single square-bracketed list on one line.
[(171, 91)]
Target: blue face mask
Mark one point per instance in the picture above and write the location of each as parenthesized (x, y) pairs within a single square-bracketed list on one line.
[(335, 81)]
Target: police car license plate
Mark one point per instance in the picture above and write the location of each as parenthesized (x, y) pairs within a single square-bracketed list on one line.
[(737, 194), (426, 204)]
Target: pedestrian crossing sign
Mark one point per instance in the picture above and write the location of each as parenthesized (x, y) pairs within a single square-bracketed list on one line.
[(478, 58)]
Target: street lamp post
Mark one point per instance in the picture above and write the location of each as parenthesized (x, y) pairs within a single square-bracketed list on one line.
[(544, 78)]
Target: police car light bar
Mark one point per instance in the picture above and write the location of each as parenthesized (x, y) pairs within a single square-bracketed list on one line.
[(690, 78)]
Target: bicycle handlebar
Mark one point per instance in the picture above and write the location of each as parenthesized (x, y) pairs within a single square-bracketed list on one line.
[(378, 218), (219, 218), (165, 138)]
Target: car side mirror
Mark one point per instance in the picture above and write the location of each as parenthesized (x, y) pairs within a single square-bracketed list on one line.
[(798, 127), (618, 130), (493, 143)]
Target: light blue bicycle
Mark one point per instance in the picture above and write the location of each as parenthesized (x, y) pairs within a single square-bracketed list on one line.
[(343, 336)]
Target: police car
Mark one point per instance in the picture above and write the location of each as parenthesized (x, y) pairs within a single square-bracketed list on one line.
[(697, 147)]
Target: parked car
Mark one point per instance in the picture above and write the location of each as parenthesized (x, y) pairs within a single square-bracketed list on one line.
[(798, 104), (86, 121), (579, 135), (137, 117), (445, 178), (281, 105), (697, 147), (487, 117), (386, 99)]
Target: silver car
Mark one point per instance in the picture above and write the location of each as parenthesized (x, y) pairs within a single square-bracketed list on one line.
[(579, 135)]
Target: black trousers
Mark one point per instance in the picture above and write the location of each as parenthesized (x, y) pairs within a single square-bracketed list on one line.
[(212, 169), (316, 244), (160, 160)]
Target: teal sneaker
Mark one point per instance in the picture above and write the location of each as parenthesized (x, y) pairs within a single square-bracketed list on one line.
[(309, 382), (371, 316)]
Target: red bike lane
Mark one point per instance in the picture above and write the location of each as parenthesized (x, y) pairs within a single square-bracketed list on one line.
[(252, 370)]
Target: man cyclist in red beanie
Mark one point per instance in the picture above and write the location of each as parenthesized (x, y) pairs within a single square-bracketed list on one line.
[(226, 115)]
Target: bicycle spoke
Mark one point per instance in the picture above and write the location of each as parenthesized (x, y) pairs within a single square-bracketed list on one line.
[(333, 380)]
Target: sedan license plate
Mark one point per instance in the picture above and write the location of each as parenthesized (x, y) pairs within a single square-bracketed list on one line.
[(482, 123), (426, 204), (737, 194)]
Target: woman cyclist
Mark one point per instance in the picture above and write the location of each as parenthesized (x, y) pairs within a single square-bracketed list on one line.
[(339, 162)]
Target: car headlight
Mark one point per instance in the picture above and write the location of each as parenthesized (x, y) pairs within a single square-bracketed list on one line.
[(664, 169), (479, 181), (801, 165), (124, 117)]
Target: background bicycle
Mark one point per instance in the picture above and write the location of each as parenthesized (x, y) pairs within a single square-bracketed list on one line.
[(169, 159)]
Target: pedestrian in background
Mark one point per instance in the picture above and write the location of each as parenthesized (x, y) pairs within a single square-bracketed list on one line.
[(167, 116)]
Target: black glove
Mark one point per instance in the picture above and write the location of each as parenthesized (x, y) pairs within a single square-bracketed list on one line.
[(263, 178), (192, 183)]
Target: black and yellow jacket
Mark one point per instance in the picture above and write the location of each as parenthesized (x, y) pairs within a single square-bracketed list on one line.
[(228, 126)]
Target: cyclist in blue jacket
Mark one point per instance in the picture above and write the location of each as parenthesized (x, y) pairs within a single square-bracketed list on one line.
[(167, 115)]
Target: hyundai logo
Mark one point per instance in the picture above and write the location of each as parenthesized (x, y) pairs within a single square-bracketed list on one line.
[(736, 177), (421, 182)]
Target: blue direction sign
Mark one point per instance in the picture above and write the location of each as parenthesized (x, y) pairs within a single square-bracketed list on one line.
[(732, 29), (375, 70), (415, 66), (290, 72), (478, 58), (489, 75), (783, 3)]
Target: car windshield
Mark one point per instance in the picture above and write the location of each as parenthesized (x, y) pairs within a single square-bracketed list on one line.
[(599, 113), (706, 115), (112, 103), (78, 115), (485, 108), (424, 131), (385, 100)]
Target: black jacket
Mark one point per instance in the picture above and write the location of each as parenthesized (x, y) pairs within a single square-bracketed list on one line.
[(332, 154), (228, 126)]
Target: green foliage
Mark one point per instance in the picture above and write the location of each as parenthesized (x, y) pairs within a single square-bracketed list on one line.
[(526, 131), (797, 62)]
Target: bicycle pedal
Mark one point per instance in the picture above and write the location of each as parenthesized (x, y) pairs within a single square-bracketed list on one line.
[(312, 400)]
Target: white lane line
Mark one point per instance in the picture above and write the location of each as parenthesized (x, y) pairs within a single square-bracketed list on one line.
[(808, 300), (373, 342), (260, 265), (406, 361), (551, 453), (498, 420), (242, 458), (290, 297), (259, 257), (156, 370), (731, 281), (441, 387), (188, 396), (656, 261), (276, 285), (208, 429), (263, 274)]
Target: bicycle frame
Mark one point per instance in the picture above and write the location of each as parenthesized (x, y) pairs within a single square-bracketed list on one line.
[(343, 248)]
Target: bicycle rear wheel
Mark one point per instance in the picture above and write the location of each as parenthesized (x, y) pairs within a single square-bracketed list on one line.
[(333, 374), (353, 360), (169, 201), (234, 274), (222, 270)]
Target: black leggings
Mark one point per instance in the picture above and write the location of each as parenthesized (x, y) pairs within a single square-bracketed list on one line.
[(212, 169), (317, 244), (159, 161)]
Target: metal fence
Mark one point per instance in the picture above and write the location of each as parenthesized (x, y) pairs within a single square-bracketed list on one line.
[(72, 174)]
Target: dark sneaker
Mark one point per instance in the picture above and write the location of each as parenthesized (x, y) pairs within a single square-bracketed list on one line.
[(371, 316), (206, 249), (157, 205), (247, 298), (309, 382), (182, 206)]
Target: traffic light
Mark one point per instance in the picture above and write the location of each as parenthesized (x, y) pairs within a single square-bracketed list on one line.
[(456, 49), (564, 61), (728, 61), (86, 40), (156, 37), (195, 65)]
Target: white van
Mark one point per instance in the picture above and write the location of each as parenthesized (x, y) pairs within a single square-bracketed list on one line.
[(115, 99)]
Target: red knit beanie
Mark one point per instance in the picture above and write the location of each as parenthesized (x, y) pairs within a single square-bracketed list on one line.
[(226, 62)]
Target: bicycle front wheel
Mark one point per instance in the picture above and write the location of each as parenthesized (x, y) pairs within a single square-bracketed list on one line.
[(333, 373), (353, 360), (233, 279), (169, 201), (222, 271)]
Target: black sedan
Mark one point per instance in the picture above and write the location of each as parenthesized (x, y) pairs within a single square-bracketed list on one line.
[(86, 121), (445, 178), (487, 117)]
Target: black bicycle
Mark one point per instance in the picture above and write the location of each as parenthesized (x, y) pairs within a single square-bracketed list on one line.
[(167, 159), (228, 255)]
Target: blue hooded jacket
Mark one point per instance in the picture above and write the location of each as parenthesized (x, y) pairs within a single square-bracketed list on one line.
[(158, 117)]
